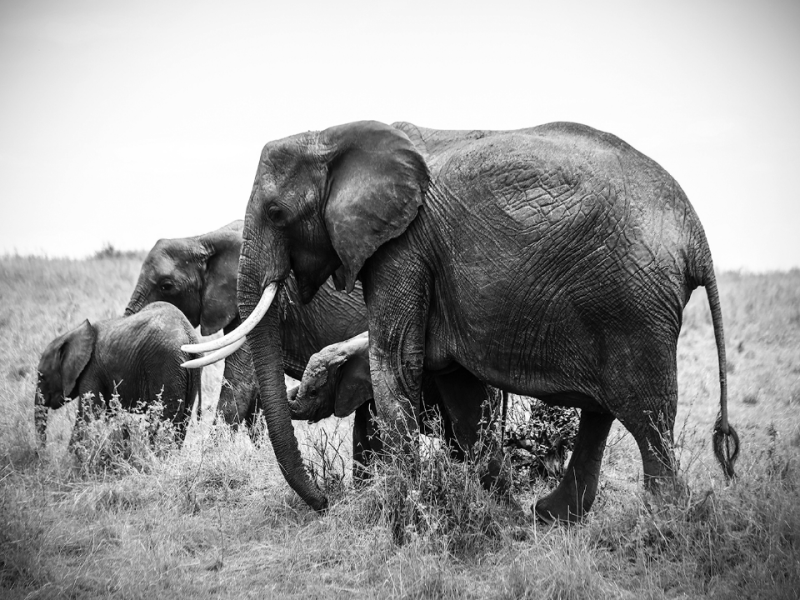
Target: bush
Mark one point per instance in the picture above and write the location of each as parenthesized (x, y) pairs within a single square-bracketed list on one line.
[(110, 439), (426, 494), (538, 437)]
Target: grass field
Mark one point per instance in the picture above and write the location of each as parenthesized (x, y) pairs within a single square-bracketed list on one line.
[(216, 519)]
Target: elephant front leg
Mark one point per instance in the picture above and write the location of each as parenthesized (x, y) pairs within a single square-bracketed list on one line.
[(575, 494), (397, 398), (397, 298)]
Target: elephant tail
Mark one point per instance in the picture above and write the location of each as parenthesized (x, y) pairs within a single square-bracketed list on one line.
[(725, 438)]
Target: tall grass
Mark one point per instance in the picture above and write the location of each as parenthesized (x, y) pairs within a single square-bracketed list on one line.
[(215, 517)]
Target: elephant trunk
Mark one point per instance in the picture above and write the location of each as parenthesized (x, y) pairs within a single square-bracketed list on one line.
[(264, 341), (137, 301), (40, 413)]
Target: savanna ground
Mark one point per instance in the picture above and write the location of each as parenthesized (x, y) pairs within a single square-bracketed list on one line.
[(216, 519)]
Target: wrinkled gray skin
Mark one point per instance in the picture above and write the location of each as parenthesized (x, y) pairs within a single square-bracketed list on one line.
[(198, 275), (138, 357), (552, 262)]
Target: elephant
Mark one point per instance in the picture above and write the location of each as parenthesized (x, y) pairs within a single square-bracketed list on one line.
[(138, 357), (553, 262), (198, 275)]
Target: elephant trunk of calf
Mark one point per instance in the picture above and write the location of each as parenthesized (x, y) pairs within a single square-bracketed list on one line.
[(40, 413)]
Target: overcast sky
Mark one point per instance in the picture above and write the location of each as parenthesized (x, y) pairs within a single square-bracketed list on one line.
[(124, 122)]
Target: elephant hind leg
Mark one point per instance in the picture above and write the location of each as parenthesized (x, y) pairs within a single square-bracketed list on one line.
[(574, 496), (646, 400), (653, 433)]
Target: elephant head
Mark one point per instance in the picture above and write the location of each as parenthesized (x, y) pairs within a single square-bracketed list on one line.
[(321, 205), (336, 381), (196, 274), (61, 364)]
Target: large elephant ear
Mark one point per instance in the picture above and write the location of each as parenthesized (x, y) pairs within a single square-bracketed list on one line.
[(376, 184), (219, 288), (75, 354)]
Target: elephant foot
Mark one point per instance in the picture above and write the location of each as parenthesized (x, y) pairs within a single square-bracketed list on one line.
[(560, 506), (574, 496), (669, 489)]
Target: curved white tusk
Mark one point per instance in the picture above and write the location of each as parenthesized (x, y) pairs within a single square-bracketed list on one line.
[(214, 356), (242, 330)]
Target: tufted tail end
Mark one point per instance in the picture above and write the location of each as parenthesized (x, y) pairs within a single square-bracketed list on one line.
[(726, 447)]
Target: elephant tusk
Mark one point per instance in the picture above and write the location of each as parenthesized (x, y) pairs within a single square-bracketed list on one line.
[(214, 356), (238, 334)]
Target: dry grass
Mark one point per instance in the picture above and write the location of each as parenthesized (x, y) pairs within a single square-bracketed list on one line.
[(215, 518)]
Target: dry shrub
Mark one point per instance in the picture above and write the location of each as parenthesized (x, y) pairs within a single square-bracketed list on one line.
[(328, 459), (108, 439), (426, 494)]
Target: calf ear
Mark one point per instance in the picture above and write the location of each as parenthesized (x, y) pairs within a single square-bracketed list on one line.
[(75, 354), (354, 387), (219, 289), (375, 186)]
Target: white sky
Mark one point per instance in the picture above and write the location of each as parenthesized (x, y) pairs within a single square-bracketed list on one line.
[(125, 122)]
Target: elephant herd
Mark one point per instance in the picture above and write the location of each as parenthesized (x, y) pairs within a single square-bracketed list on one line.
[(553, 262)]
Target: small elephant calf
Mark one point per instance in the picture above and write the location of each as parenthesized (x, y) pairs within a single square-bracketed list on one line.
[(337, 382), (139, 357)]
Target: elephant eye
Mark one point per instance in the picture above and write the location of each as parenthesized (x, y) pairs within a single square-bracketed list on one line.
[(275, 213), (166, 286)]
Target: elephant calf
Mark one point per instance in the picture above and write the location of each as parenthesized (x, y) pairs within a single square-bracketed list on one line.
[(138, 357), (337, 382)]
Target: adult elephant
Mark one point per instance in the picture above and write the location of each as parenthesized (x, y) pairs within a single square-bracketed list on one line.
[(138, 358), (198, 275), (552, 262)]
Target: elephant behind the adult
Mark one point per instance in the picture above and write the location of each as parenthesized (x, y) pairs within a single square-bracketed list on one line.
[(199, 275), (137, 357), (552, 262)]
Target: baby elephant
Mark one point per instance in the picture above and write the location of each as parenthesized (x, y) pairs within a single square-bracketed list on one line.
[(138, 356), (337, 382)]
